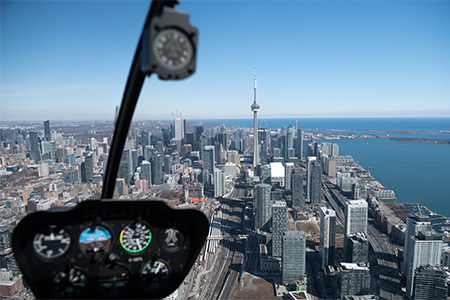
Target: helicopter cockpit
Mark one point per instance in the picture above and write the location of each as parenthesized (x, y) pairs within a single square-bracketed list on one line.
[(109, 248)]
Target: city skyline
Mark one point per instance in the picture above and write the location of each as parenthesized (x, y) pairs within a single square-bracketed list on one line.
[(314, 59)]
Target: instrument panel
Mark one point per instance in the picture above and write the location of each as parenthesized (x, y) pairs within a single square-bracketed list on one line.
[(109, 249)]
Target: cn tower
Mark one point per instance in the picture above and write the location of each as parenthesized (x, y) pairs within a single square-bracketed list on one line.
[(255, 109)]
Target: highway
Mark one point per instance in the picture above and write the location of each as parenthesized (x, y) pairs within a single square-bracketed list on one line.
[(223, 265)]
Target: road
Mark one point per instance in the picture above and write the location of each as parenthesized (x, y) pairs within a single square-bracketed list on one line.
[(223, 266)]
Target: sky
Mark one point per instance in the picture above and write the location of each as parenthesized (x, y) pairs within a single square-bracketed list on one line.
[(69, 60)]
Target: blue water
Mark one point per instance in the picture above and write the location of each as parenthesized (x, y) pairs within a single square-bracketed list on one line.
[(414, 170)]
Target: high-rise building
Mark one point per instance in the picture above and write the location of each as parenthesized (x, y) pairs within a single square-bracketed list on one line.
[(288, 169), (157, 169), (426, 249), (327, 235), (146, 171), (222, 137), (309, 161), (265, 174), (279, 227), (357, 249), (355, 219), (414, 224), (34, 147), (47, 132), (294, 257), (219, 183), (354, 279), (89, 168), (430, 282), (179, 131), (315, 183), (209, 159), (134, 160), (262, 205), (298, 199), (255, 108), (300, 144)]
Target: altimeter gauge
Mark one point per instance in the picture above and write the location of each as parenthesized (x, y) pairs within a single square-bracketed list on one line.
[(52, 243), (135, 237)]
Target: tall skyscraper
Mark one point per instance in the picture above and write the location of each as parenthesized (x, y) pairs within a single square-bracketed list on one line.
[(426, 249), (298, 199), (262, 205), (47, 132), (279, 227), (146, 171), (219, 183), (309, 161), (288, 169), (209, 159), (315, 183), (34, 147), (327, 235), (300, 144), (255, 108), (414, 224), (294, 257), (157, 166), (89, 168), (355, 220), (355, 217), (179, 131)]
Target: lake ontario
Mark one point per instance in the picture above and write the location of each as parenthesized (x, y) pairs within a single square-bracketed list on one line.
[(414, 170)]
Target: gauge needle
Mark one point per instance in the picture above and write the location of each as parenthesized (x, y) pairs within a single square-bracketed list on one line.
[(138, 243), (158, 268)]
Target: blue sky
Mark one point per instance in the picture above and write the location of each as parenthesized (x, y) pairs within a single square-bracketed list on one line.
[(63, 60)]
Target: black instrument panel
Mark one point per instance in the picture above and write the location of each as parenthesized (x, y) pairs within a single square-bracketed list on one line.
[(109, 249)]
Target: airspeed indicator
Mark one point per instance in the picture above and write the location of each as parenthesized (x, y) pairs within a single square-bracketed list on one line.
[(135, 237)]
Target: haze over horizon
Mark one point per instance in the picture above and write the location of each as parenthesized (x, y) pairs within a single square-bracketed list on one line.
[(70, 60)]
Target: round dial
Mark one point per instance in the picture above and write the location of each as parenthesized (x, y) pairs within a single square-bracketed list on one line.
[(71, 284), (51, 244), (95, 239), (114, 281), (154, 275), (135, 237), (172, 49)]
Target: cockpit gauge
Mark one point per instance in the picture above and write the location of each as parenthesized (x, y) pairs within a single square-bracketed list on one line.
[(154, 275), (135, 237), (95, 239), (69, 284), (113, 281), (52, 243)]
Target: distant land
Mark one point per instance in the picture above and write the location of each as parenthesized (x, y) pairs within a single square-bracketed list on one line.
[(420, 139)]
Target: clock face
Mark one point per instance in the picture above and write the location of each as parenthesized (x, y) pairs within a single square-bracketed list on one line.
[(172, 49)]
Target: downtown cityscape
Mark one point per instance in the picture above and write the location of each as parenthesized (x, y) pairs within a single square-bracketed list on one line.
[(290, 216), (312, 136)]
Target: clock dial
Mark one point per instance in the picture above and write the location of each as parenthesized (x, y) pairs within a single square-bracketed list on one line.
[(172, 49)]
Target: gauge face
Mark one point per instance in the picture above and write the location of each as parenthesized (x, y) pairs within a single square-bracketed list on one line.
[(51, 244), (155, 275), (135, 237), (113, 281), (69, 284), (171, 238), (95, 239), (172, 49)]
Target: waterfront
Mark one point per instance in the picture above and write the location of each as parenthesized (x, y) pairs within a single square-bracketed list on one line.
[(414, 170)]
